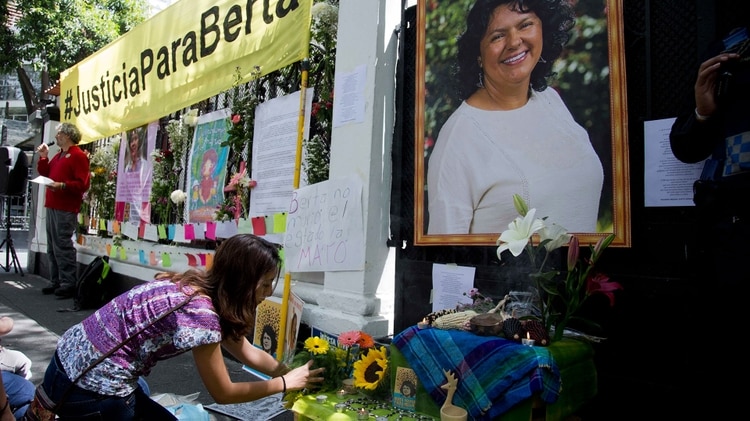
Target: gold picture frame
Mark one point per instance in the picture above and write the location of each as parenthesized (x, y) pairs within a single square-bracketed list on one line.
[(604, 19)]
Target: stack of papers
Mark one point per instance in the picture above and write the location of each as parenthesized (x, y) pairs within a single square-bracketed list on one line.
[(45, 181)]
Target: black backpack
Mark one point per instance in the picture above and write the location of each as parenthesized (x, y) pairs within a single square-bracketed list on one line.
[(91, 290)]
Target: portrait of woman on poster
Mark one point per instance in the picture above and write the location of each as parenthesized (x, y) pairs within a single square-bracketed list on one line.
[(268, 340), (291, 338), (512, 133), (408, 389), (136, 174), (136, 150), (208, 183)]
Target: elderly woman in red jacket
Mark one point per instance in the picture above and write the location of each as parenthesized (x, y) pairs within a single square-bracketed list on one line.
[(69, 170)]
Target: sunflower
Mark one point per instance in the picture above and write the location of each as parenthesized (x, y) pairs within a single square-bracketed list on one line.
[(371, 369), (316, 345)]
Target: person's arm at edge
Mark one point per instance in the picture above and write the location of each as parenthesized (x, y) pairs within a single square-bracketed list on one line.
[(212, 369), (690, 138), (254, 357), (697, 129), (42, 166)]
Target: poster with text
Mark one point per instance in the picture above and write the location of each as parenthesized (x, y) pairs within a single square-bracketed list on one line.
[(324, 228), (135, 174), (275, 151), (405, 389), (208, 166)]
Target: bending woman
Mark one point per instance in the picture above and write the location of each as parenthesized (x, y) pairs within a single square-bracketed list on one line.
[(220, 313)]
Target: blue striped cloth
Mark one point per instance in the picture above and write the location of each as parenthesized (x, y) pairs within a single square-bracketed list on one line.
[(493, 373)]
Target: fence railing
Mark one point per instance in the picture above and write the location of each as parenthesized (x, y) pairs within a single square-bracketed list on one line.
[(18, 218)]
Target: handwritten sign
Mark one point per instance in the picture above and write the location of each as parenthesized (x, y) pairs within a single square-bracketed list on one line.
[(324, 227)]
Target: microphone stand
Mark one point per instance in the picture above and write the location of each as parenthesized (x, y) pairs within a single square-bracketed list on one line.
[(10, 250)]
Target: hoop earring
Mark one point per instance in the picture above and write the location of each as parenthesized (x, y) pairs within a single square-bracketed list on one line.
[(542, 60), (480, 84)]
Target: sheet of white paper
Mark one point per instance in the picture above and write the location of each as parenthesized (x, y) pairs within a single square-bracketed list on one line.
[(199, 230), (129, 230), (274, 238), (668, 181), (274, 152), (151, 233), (225, 229), (449, 283), (349, 101), (179, 234), (43, 180)]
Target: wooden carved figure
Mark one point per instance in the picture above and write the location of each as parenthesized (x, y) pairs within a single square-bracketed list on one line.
[(450, 412)]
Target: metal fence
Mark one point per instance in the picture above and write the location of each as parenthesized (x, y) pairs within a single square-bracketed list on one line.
[(16, 212)]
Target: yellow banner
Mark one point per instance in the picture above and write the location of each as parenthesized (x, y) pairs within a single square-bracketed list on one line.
[(188, 52)]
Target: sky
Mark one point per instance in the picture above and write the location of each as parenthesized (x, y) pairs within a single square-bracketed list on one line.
[(158, 5)]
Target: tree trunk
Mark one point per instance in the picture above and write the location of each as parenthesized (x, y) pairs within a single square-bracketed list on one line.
[(29, 94)]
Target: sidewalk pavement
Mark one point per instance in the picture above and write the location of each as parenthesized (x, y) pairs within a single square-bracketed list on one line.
[(39, 324)]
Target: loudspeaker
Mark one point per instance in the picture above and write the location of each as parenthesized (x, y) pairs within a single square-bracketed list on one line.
[(14, 171)]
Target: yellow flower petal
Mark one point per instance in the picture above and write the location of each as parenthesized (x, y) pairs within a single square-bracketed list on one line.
[(316, 345)]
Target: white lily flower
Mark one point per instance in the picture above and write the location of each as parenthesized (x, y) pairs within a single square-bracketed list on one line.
[(565, 292), (518, 233), (557, 233)]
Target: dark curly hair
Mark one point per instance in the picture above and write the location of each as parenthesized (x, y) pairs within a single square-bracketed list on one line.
[(271, 332), (557, 18), (412, 388)]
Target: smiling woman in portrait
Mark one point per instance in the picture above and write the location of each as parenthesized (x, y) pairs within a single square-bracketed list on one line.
[(136, 151), (512, 134), (522, 97)]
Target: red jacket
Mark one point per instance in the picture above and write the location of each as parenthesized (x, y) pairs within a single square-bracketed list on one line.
[(71, 168)]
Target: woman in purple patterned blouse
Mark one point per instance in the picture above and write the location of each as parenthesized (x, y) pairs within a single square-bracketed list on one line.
[(221, 313)]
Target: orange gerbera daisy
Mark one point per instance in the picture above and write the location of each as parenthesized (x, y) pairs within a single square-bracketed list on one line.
[(365, 340)]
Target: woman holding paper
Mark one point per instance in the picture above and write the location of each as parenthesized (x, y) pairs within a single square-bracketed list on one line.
[(69, 172)]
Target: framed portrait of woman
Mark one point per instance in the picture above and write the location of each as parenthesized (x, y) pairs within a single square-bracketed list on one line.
[(564, 150)]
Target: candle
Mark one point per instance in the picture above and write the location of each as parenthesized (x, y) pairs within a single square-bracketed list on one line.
[(340, 407), (348, 386), (321, 398), (423, 324), (341, 393), (527, 340), (362, 414)]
